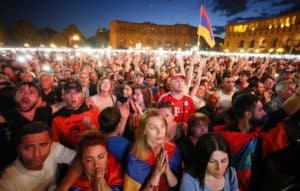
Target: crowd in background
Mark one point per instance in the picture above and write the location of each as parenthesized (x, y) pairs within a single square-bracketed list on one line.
[(131, 120)]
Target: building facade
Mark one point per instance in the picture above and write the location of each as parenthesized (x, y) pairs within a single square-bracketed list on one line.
[(280, 34), (148, 35)]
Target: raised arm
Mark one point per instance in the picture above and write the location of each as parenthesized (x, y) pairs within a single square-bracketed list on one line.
[(199, 76), (292, 105), (124, 110)]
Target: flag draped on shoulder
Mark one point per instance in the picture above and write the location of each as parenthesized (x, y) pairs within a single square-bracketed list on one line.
[(204, 28)]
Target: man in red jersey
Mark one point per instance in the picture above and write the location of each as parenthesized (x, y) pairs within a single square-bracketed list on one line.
[(183, 104)]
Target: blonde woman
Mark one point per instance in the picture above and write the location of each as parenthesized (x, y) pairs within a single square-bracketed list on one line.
[(153, 161)]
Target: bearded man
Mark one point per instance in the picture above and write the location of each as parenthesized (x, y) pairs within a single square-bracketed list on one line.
[(253, 136)]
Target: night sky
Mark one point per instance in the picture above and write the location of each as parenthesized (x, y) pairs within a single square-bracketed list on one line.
[(89, 15)]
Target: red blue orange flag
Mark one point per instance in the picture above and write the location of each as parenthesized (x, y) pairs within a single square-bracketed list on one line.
[(204, 28)]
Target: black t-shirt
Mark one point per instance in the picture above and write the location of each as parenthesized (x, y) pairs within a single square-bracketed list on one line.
[(15, 120), (186, 148), (53, 97)]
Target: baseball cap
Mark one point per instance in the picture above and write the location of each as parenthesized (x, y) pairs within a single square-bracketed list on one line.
[(72, 84)]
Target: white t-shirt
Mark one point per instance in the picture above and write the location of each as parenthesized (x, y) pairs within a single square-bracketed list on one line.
[(17, 178), (225, 99)]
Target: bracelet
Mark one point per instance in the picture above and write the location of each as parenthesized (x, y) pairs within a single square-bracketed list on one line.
[(297, 94), (152, 187)]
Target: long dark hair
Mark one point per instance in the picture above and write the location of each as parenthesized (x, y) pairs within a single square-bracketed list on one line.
[(205, 146)]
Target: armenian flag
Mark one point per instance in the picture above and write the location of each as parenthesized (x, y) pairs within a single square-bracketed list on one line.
[(204, 28)]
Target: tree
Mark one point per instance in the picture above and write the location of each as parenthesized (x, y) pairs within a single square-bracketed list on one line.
[(24, 32), (71, 33), (59, 40), (3, 35), (47, 34)]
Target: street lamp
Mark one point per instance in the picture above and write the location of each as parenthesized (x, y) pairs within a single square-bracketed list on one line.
[(52, 45), (74, 39)]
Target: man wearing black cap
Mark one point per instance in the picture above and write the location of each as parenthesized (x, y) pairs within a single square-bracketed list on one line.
[(75, 117)]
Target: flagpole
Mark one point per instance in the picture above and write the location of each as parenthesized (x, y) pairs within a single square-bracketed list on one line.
[(199, 43)]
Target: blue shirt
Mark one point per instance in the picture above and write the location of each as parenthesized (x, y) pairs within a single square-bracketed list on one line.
[(189, 183), (118, 146)]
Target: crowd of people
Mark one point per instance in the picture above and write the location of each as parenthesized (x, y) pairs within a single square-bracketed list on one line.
[(145, 120)]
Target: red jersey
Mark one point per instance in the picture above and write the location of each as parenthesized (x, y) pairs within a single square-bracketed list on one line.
[(184, 106), (66, 126)]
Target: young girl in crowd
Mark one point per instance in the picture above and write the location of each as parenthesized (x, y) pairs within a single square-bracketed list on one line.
[(140, 102), (153, 161), (198, 125), (210, 170), (127, 91)]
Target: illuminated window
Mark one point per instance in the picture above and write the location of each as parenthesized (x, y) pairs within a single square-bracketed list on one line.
[(287, 22), (281, 21), (270, 26), (293, 20), (240, 28), (275, 24)]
